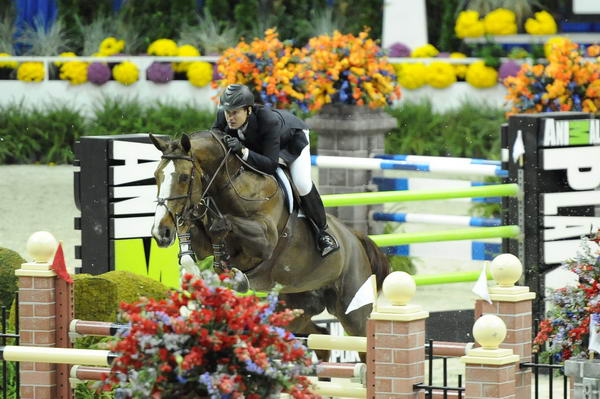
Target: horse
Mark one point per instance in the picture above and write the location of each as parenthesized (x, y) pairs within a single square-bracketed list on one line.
[(217, 204)]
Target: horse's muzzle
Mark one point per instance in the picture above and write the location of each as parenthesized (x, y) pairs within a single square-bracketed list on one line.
[(165, 236)]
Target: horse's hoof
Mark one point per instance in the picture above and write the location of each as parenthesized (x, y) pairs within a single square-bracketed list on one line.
[(240, 281)]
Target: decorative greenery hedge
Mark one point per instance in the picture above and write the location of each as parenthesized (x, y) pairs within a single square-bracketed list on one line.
[(47, 136)]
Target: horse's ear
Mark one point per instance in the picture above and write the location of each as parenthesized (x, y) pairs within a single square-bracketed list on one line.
[(185, 143), (160, 144)]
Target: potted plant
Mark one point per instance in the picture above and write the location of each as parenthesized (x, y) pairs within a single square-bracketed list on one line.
[(205, 341)]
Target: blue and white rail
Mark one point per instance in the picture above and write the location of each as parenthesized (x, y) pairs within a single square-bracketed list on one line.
[(429, 159), (426, 218), (451, 168), (455, 250)]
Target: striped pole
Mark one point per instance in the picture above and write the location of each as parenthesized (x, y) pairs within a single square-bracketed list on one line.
[(427, 159), (426, 218), (384, 240), (373, 198), (323, 161)]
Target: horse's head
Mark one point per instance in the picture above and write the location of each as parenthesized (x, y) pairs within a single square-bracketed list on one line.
[(177, 177)]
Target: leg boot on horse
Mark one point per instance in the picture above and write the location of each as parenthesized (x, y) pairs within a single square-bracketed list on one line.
[(315, 211)]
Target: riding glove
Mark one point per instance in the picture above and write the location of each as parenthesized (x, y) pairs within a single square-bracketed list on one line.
[(234, 144)]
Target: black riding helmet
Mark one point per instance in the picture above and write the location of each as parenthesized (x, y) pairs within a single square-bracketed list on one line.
[(236, 96)]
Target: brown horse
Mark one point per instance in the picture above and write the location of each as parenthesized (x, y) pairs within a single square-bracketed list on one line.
[(239, 215)]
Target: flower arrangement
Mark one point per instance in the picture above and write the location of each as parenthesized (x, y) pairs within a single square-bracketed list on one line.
[(163, 47), (481, 76), (440, 74), (460, 69), (542, 24), (126, 73), (468, 24), (567, 83), (160, 72), (200, 73), (500, 22), (273, 69), (74, 71), (411, 76), (186, 50), (565, 331), (349, 69), (425, 51), (98, 73), (7, 64), (31, 72), (206, 341), (110, 46)]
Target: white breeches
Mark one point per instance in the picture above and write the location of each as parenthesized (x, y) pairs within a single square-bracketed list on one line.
[(300, 169)]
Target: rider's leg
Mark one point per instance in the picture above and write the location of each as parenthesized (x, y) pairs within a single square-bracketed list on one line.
[(311, 201)]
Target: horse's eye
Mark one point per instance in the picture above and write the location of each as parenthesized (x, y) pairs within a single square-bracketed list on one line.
[(184, 178)]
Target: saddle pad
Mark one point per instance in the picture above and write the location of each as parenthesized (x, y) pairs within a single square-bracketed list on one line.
[(286, 187)]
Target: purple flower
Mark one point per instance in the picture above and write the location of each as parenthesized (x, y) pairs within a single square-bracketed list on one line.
[(509, 68), (443, 55), (98, 73), (160, 72), (399, 50), (216, 75)]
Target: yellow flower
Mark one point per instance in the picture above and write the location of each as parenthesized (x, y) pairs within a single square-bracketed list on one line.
[(543, 24), (126, 73), (440, 74), (163, 47), (7, 64), (556, 41), (31, 72), (459, 69), (468, 24), (481, 76), (185, 51), (65, 54), (500, 22), (74, 71), (200, 73), (412, 76), (110, 46), (425, 51)]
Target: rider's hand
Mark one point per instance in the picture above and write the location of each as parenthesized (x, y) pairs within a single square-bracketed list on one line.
[(234, 144)]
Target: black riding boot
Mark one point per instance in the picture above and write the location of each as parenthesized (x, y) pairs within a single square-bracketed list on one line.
[(315, 212)]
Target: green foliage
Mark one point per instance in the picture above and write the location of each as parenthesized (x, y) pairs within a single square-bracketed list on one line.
[(491, 53), (7, 32), (87, 391), (208, 34), (11, 378), (468, 131), (37, 135), (37, 40), (441, 18), (9, 262), (98, 297)]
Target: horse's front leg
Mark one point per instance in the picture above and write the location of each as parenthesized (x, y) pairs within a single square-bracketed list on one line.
[(187, 256)]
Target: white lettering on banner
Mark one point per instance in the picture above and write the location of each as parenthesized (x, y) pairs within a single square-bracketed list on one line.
[(559, 251), (559, 227), (133, 227), (552, 201), (581, 163), (549, 133), (557, 133), (132, 153), (140, 199)]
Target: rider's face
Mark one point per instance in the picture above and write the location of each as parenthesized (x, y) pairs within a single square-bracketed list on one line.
[(236, 117)]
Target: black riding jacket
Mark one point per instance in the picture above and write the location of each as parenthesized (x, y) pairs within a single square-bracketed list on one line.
[(269, 135)]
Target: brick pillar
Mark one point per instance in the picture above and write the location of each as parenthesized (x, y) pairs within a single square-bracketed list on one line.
[(490, 370), (395, 342), (513, 304), (45, 311), (37, 319)]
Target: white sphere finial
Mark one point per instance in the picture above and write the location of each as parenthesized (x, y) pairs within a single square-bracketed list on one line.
[(506, 270), (399, 288), (489, 331), (41, 245)]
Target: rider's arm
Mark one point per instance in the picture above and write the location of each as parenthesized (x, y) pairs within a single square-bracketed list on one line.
[(266, 160)]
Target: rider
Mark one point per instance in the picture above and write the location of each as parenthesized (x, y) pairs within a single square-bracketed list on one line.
[(261, 135)]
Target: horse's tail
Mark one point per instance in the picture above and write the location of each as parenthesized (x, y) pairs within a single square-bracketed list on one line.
[(380, 265)]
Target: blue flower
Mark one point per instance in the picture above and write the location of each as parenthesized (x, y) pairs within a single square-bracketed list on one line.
[(253, 367)]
